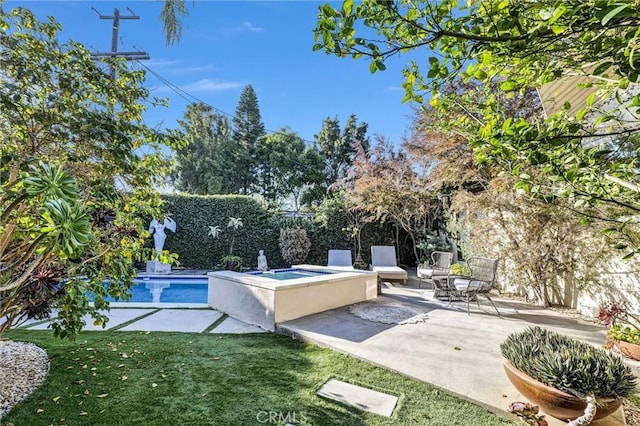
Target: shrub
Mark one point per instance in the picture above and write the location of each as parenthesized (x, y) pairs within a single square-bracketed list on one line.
[(294, 245), (568, 364), (623, 325), (460, 269)]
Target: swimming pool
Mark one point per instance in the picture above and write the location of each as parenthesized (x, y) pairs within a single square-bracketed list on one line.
[(167, 291), (288, 274)]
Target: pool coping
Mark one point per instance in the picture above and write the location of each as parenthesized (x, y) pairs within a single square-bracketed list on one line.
[(263, 281)]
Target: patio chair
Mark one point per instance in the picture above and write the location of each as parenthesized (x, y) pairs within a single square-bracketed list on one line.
[(340, 259), (383, 261), (440, 264), (480, 282)]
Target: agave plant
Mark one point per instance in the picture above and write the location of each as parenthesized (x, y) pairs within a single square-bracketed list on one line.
[(569, 365)]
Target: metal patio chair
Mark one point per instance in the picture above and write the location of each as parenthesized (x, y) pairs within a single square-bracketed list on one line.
[(480, 282), (439, 265)]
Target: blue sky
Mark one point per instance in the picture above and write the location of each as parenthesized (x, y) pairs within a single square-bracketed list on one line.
[(228, 44)]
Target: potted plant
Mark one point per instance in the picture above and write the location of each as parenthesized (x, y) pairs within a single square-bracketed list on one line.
[(567, 378), (623, 329), (230, 262)]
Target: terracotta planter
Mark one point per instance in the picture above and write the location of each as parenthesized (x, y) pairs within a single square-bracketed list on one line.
[(630, 350), (554, 402)]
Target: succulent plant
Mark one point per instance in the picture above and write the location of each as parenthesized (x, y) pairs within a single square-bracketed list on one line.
[(569, 365), (623, 325)]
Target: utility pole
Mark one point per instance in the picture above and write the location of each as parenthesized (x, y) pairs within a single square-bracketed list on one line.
[(130, 56)]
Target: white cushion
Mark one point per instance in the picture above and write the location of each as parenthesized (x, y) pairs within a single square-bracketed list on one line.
[(461, 284), (424, 273), (390, 272)]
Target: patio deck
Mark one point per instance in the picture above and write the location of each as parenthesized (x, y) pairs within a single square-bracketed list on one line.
[(446, 347)]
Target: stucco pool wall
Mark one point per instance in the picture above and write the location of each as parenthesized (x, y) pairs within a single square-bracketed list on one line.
[(265, 302)]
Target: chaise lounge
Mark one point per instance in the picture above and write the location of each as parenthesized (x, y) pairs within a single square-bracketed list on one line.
[(340, 259), (383, 261)]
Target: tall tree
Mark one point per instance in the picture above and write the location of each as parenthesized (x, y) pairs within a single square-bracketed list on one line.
[(202, 165), (247, 129), (76, 190), (286, 168), (338, 147)]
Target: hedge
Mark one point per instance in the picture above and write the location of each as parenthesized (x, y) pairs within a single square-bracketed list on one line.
[(194, 214), (260, 231)]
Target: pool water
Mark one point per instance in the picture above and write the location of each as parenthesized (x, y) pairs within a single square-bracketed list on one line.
[(284, 276), (168, 290), (288, 274)]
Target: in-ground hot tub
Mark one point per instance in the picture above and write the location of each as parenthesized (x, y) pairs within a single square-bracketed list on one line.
[(267, 298)]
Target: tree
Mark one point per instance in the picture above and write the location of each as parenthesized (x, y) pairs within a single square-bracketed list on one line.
[(203, 164), (387, 185), (285, 168), (77, 176), (338, 148), (247, 130), (584, 155)]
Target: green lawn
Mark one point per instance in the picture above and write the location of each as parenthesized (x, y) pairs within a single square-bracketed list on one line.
[(108, 378)]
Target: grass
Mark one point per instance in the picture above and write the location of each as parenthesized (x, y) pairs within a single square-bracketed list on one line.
[(133, 378)]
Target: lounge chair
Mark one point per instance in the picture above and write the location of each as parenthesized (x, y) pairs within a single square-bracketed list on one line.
[(383, 261), (480, 282), (340, 259), (440, 264)]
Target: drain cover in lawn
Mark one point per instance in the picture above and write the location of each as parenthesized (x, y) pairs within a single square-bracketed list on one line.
[(357, 396)]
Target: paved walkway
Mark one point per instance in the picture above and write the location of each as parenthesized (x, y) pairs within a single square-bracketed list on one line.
[(439, 343), (155, 319)]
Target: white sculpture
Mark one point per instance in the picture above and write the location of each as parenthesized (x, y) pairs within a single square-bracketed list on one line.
[(157, 229), (262, 261)]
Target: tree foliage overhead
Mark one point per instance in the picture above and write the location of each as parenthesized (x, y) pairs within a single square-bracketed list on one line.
[(172, 14), (588, 154), (77, 176)]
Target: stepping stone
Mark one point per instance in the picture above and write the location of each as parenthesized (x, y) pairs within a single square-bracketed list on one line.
[(233, 326), (359, 397), (116, 317), (187, 320)]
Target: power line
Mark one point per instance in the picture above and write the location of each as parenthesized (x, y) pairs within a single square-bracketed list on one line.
[(186, 95)]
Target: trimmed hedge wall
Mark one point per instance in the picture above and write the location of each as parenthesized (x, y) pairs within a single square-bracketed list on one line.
[(195, 213), (260, 231)]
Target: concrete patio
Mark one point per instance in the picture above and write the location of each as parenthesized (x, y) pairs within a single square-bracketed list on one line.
[(445, 347)]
